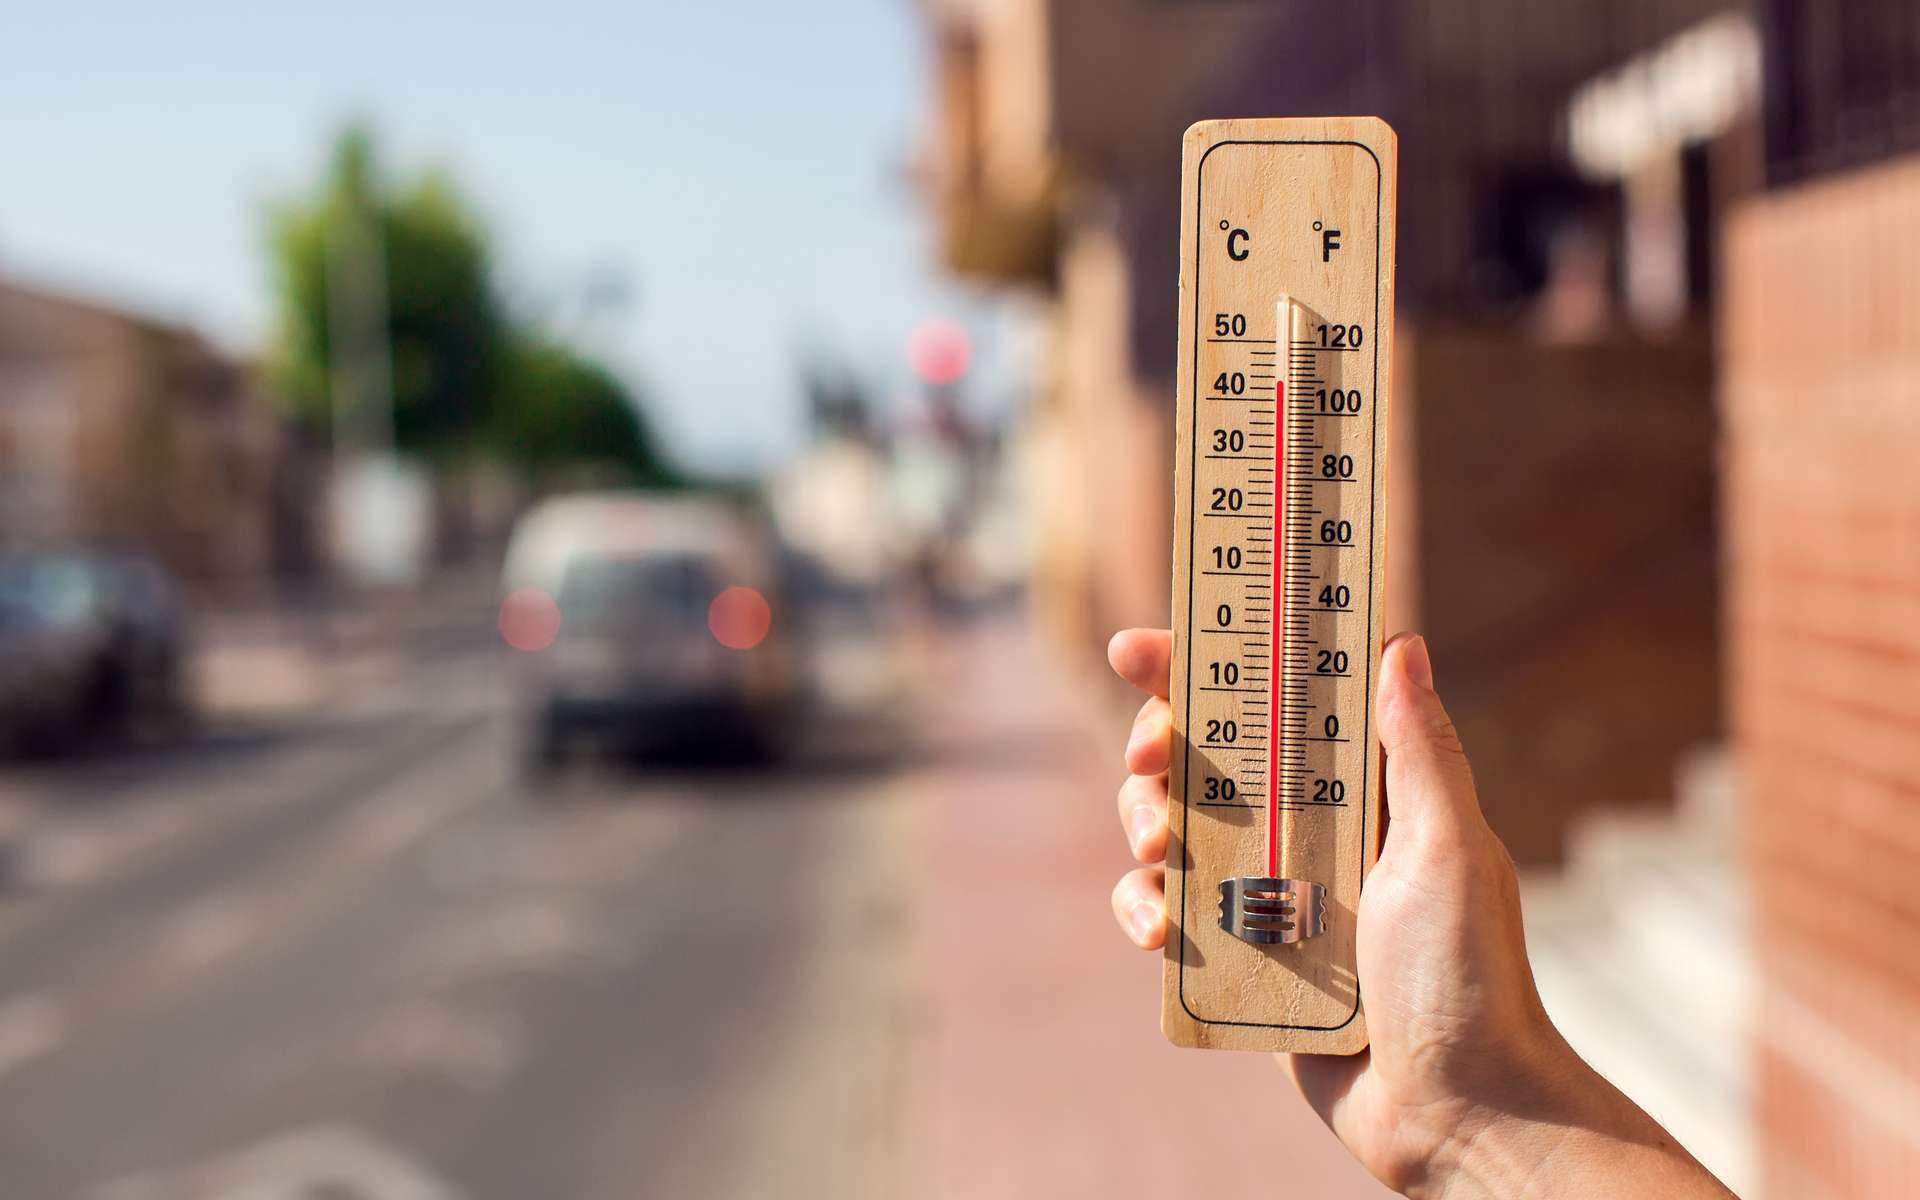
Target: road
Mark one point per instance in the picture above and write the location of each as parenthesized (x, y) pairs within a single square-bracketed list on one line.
[(348, 955)]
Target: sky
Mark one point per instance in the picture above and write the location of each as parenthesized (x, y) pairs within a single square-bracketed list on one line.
[(740, 167)]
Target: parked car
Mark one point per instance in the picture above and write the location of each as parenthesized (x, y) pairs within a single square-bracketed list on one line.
[(648, 621), (91, 645)]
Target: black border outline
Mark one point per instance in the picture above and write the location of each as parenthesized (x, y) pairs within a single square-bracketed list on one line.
[(1193, 469)]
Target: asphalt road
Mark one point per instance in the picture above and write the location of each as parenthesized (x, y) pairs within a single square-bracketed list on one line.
[(351, 957)]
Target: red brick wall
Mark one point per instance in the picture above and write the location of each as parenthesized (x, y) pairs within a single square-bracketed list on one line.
[(1821, 405)]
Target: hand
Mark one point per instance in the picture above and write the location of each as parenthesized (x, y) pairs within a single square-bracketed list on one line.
[(1467, 1088)]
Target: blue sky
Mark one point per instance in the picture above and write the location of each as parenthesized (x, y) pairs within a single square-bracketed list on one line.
[(740, 165)]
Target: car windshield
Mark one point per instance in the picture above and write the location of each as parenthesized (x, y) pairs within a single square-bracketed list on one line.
[(666, 591), (55, 590)]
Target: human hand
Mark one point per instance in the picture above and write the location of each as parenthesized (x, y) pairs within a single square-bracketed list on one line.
[(1467, 1088)]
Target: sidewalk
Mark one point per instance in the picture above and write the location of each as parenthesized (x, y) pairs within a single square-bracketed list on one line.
[(1040, 1070), (288, 655)]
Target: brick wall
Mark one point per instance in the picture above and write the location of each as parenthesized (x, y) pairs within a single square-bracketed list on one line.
[(1563, 561), (1821, 405)]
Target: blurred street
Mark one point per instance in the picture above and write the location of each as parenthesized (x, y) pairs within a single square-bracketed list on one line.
[(354, 952), (350, 955)]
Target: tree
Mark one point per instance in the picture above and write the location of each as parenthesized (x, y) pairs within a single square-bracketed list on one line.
[(391, 329), (436, 328), (561, 409)]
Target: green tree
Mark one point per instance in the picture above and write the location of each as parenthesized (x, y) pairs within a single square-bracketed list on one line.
[(436, 328), (390, 326), (559, 409)]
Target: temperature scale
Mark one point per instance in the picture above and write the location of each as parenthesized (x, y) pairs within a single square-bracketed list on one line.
[(1286, 340)]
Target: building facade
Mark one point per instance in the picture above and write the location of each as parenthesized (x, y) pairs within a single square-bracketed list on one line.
[(1683, 241), (119, 431), (1537, 523)]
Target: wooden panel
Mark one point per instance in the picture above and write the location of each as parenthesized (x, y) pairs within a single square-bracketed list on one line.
[(1280, 530)]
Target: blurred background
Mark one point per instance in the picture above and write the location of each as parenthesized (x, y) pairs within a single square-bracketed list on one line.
[(554, 568)]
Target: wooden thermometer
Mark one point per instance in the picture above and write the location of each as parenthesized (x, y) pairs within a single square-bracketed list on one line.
[(1286, 340)]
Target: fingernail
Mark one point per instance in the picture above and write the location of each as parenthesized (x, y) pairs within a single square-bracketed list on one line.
[(1419, 663), (1140, 824), (1143, 919)]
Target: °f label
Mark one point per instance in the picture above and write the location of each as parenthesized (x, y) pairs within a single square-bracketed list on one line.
[(1286, 336)]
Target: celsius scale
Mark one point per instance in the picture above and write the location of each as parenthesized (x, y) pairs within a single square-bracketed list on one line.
[(1286, 342)]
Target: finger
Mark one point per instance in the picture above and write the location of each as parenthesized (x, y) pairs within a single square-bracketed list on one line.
[(1140, 905), (1143, 657), (1429, 784), (1150, 744), (1143, 814)]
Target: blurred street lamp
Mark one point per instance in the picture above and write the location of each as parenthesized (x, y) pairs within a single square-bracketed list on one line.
[(379, 505), (358, 335)]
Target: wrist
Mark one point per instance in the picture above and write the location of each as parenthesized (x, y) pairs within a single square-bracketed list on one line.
[(1562, 1130), (1492, 1146), (1491, 1152)]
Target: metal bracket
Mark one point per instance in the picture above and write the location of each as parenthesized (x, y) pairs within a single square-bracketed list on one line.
[(1268, 912)]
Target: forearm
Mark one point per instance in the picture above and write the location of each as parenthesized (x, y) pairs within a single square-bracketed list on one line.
[(1588, 1140)]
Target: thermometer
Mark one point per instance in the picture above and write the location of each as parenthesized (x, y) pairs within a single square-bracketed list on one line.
[(1286, 340)]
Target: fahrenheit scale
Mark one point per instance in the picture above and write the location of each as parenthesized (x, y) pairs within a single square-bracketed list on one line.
[(1286, 338)]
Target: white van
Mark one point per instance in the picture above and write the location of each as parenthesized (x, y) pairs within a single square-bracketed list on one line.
[(649, 620)]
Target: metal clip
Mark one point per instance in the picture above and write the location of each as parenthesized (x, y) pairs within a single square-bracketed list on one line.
[(1272, 911)]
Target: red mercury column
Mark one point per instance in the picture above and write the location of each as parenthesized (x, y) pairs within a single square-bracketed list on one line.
[(1277, 640)]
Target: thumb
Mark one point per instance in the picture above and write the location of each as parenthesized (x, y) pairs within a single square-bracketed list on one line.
[(1429, 784)]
